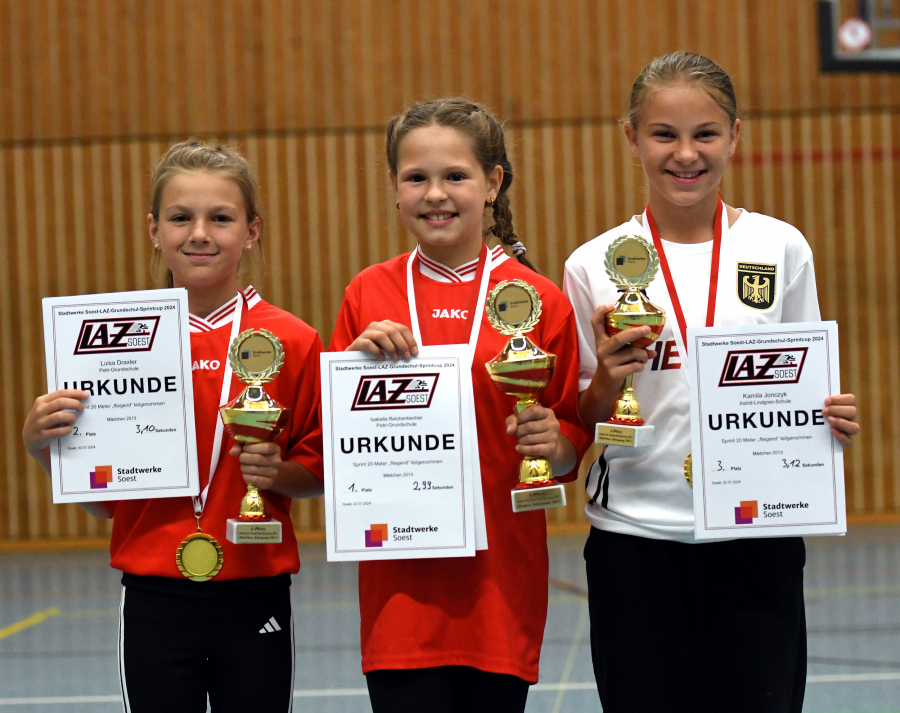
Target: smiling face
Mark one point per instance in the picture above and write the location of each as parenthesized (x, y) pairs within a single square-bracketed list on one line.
[(684, 140), (441, 189), (202, 233)]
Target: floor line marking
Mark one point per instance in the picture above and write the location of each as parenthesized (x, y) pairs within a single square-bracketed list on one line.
[(53, 700), (29, 621), (570, 659), (331, 692), (851, 677)]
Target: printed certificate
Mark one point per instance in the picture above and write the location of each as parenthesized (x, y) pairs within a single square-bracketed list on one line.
[(764, 462), (131, 352), (397, 441)]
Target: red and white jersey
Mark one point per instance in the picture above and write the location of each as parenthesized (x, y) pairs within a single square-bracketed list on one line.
[(486, 611), (146, 533), (642, 491)]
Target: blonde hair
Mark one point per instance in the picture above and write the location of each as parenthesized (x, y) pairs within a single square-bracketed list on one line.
[(194, 155), (682, 68), (488, 145)]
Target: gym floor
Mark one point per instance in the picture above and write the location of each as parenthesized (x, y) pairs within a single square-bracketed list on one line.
[(58, 623)]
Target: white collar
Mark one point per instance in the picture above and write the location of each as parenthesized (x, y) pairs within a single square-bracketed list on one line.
[(224, 314), (464, 273)]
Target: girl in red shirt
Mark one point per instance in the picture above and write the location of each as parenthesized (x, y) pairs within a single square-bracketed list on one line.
[(229, 638), (462, 634)]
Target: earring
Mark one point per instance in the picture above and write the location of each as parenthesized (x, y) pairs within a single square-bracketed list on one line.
[(156, 246), (249, 247), (490, 202)]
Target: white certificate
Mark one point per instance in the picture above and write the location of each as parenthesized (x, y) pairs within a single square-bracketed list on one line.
[(764, 461), (131, 352), (397, 441)]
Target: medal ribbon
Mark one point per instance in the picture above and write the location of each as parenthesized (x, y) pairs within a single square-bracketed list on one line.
[(481, 542), (477, 316), (200, 502), (713, 271)]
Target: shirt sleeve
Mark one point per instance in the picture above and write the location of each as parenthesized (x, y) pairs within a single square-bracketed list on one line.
[(305, 441), (801, 300), (576, 290), (561, 394), (346, 329)]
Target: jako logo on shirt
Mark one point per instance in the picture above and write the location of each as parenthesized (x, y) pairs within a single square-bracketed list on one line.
[(110, 336), (391, 392), (744, 514), (769, 367), (210, 364), (377, 535), (100, 476), (450, 313)]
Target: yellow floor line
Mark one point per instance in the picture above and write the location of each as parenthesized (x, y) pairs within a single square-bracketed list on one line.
[(30, 621)]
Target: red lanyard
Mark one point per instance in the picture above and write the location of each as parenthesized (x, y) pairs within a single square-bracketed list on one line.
[(713, 271)]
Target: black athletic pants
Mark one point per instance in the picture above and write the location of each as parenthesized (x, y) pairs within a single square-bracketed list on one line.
[(181, 640), (445, 689), (697, 628)]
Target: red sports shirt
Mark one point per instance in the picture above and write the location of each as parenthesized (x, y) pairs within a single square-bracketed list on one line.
[(486, 611), (146, 533)]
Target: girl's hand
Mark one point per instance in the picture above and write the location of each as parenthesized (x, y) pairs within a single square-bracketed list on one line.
[(616, 359), (386, 339), (260, 462), (538, 432), (52, 416), (840, 411)]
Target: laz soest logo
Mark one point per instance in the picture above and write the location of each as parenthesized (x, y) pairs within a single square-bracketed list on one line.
[(769, 367), (380, 392), (111, 336)]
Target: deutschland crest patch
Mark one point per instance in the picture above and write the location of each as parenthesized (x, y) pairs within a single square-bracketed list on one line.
[(756, 284)]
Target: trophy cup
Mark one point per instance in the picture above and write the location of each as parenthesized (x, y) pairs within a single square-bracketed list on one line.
[(523, 370), (631, 263), (253, 416)]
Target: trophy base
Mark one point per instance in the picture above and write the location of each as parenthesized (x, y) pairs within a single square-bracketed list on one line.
[(540, 498), (261, 532), (612, 434)]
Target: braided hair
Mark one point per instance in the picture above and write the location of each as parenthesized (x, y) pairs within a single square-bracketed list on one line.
[(488, 144)]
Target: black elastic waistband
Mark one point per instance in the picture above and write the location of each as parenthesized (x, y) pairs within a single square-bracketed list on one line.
[(186, 588)]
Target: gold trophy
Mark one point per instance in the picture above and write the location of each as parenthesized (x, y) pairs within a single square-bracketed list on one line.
[(256, 357), (523, 370), (631, 263)]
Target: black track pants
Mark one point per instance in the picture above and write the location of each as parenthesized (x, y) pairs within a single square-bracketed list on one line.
[(180, 641), (697, 628), (445, 689)]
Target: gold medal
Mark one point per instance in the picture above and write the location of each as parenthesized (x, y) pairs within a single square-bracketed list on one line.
[(199, 557), (688, 471)]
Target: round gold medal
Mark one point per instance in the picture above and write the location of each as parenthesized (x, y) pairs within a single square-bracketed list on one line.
[(688, 470), (199, 557)]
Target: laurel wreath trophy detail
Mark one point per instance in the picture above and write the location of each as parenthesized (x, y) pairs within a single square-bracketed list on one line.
[(256, 357), (523, 370), (631, 263)]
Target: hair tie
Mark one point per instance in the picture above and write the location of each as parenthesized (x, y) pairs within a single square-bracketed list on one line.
[(518, 249)]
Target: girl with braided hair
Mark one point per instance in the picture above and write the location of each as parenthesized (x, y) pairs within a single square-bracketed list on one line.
[(462, 634)]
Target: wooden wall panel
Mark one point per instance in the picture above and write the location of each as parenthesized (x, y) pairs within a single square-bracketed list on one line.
[(94, 90), (98, 69)]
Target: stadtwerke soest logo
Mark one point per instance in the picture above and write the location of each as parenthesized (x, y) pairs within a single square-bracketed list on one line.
[(746, 512), (377, 535), (101, 475)]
